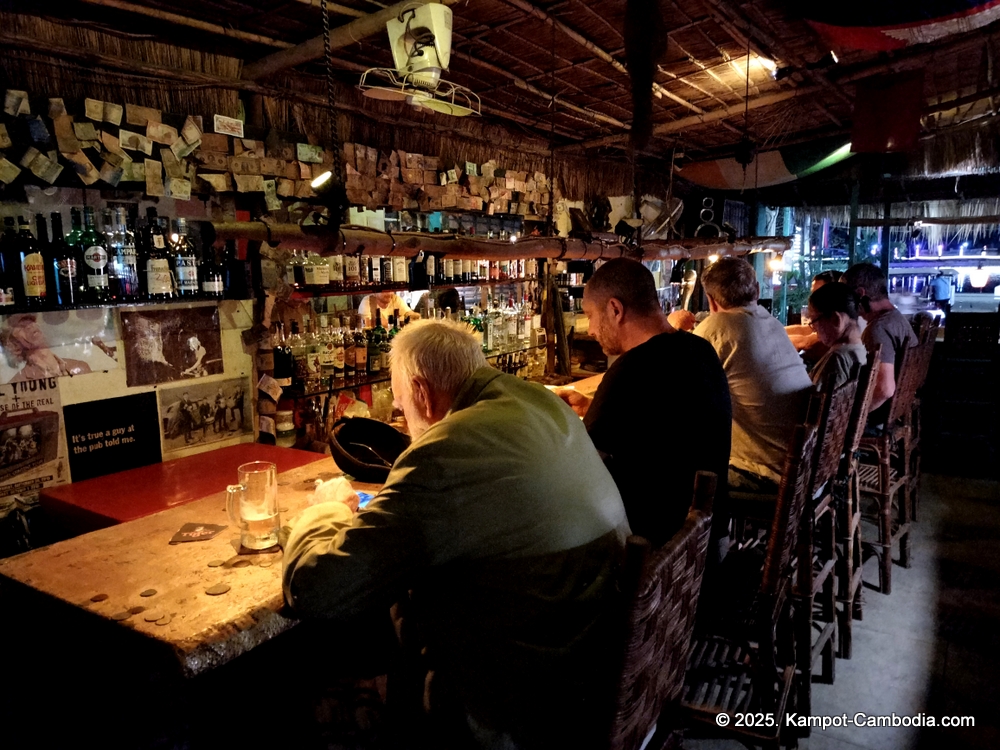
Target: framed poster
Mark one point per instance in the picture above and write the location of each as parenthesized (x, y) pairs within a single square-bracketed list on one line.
[(201, 413), (55, 344), (163, 346)]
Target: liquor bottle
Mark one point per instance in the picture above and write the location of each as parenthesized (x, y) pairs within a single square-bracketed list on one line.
[(360, 351), (387, 271), (466, 271), (350, 355), (294, 274), (315, 271), (66, 266), (430, 269), (126, 259), (374, 345), (394, 328), (439, 277), (385, 348), (339, 352), (213, 274), (336, 264), (284, 363), (11, 283), (326, 351), (185, 259), (95, 260), (300, 366), (159, 277), (400, 272), (352, 272), (311, 344), (107, 231), (237, 280), (449, 271), (374, 270), (32, 267), (46, 249)]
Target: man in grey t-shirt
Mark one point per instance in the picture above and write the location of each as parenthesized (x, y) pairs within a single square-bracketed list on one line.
[(768, 383), (886, 327)]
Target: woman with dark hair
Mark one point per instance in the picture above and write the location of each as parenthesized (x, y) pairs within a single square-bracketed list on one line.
[(833, 315)]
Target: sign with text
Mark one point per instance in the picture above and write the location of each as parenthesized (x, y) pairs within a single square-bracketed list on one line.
[(32, 452), (116, 434)]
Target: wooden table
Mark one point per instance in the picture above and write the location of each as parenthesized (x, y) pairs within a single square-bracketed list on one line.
[(128, 495), (122, 561)]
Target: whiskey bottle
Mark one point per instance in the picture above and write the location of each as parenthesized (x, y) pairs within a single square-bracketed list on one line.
[(159, 277)]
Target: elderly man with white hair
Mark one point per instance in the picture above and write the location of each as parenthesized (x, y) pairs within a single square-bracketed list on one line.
[(502, 521)]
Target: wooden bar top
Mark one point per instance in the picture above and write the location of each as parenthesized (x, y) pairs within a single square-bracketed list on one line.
[(128, 495), (115, 565)]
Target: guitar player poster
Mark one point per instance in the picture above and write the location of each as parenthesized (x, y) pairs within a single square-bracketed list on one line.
[(164, 346)]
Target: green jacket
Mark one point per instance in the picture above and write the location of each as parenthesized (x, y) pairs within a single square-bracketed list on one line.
[(503, 522)]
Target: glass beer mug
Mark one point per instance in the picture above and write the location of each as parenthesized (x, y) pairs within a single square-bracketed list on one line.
[(253, 505)]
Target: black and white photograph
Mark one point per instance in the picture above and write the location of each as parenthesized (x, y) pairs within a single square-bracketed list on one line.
[(203, 413), (163, 346), (57, 344)]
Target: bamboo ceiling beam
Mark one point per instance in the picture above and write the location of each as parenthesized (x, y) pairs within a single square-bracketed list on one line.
[(587, 44), (675, 126), (342, 36), (191, 23), (362, 240)]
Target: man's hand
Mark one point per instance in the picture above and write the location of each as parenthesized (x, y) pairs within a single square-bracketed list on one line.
[(682, 320), (576, 400)]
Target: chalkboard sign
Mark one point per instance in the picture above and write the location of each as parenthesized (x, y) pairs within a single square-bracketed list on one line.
[(112, 435)]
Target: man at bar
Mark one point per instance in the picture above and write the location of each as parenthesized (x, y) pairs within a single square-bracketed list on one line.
[(768, 383), (886, 326), (389, 303), (653, 452), (503, 522)]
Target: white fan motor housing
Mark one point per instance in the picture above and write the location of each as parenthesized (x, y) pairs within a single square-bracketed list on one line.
[(423, 66)]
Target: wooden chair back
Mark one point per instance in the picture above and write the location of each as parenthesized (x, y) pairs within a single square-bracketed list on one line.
[(838, 406), (662, 588), (916, 361), (862, 402), (794, 492)]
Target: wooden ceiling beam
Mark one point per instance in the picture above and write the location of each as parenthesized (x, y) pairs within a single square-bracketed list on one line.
[(342, 36)]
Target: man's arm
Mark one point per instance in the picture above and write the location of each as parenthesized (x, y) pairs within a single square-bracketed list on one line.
[(338, 565), (576, 400), (885, 384)]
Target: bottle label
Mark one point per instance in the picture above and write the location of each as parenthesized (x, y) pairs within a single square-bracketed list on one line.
[(360, 358), (336, 264), (96, 257), (387, 269), (213, 285), (376, 271), (158, 241), (159, 279), (338, 357), (374, 361), (67, 268), (316, 274), (384, 361), (449, 269), (429, 266), (6, 297), (187, 273), (326, 357), (400, 270), (352, 267), (34, 275)]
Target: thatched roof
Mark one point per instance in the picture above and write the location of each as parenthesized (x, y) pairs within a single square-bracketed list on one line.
[(550, 75)]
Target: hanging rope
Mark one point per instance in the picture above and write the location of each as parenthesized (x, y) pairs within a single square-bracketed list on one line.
[(338, 149)]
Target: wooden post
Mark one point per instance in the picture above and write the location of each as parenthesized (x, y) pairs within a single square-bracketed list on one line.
[(886, 229), (852, 234)]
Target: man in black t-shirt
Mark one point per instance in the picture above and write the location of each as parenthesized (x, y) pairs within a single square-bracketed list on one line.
[(662, 411)]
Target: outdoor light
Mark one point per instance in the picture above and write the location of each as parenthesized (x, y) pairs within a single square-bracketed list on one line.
[(712, 258), (777, 263), (513, 238), (979, 278), (940, 249)]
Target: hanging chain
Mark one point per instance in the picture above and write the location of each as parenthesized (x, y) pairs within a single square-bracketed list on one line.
[(338, 158)]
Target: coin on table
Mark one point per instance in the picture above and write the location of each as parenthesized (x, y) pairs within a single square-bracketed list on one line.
[(219, 588), (152, 616), (241, 564), (119, 616), (165, 620), (137, 610), (98, 597), (265, 563), (148, 592), (216, 563)]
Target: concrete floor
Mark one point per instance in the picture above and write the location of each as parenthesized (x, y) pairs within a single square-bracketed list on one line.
[(933, 646)]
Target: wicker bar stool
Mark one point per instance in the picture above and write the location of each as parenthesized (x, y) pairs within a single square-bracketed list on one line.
[(883, 472), (848, 511), (661, 589), (909, 441), (743, 658)]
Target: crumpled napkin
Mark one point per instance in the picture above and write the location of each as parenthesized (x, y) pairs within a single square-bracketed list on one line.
[(336, 490)]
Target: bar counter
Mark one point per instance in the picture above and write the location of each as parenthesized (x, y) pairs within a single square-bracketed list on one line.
[(107, 573)]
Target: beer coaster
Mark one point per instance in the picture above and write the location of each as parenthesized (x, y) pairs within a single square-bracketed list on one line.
[(119, 616), (152, 616), (216, 563), (137, 610), (165, 620), (148, 592), (196, 532), (98, 597), (217, 589)]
